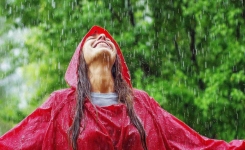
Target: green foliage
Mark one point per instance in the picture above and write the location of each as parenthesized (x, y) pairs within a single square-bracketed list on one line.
[(11, 58), (188, 55)]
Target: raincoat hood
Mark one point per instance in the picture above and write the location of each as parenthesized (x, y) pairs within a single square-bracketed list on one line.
[(71, 75)]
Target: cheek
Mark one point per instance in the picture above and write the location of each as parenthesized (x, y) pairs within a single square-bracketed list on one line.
[(87, 55), (113, 58)]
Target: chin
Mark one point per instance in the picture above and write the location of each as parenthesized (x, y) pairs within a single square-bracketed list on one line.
[(106, 55), (105, 51)]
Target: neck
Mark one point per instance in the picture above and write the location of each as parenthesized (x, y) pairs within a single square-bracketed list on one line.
[(101, 79)]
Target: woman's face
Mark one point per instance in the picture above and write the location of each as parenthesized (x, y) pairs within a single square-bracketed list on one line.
[(99, 49)]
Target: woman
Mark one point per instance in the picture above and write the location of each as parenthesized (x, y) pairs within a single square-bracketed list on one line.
[(101, 110)]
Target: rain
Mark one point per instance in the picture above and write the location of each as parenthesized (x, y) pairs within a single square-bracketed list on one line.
[(188, 55)]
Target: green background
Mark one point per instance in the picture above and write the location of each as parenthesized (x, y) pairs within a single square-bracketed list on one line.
[(187, 54)]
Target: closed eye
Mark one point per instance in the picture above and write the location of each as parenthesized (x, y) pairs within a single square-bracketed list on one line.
[(90, 38)]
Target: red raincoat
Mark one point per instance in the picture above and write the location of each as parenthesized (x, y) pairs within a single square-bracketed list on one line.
[(106, 128)]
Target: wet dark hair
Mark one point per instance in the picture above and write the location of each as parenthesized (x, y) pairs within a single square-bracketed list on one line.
[(125, 95)]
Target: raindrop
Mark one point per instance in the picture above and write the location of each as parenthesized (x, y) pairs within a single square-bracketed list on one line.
[(110, 6), (53, 3), (10, 10)]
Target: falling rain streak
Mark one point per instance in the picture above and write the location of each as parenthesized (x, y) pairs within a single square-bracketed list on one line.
[(188, 55)]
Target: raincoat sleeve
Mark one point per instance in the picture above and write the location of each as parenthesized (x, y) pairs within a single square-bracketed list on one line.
[(180, 136), (29, 133)]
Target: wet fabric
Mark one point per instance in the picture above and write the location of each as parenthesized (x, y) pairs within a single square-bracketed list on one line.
[(105, 128), (104, 99)]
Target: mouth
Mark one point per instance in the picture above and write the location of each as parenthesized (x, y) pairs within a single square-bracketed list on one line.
[(102, 42)]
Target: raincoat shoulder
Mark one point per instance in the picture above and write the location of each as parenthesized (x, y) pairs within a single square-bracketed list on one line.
[(30, 133), (164, 131)]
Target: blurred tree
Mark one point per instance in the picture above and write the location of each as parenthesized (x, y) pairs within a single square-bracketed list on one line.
[(188, 55), (10, 60)]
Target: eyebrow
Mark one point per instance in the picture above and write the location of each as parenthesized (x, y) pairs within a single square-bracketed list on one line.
[(93, 34), (90, 37)]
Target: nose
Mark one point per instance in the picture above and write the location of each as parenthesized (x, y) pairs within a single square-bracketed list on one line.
[(101, 37)]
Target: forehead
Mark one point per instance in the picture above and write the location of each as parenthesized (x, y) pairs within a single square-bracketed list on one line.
[(95, 35), (98, 30)]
